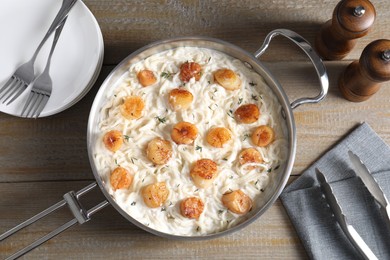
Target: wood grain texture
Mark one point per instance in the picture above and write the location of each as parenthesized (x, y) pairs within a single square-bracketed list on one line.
[(108, 235), (43, 159), (129, 25)]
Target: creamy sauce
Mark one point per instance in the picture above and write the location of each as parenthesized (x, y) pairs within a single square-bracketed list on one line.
[(212, 106)]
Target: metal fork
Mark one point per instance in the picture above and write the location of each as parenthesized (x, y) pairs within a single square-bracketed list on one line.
[(42, 86), (24, 75)]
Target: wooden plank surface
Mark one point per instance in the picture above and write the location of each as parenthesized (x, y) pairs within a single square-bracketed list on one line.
[(43, 159), (108, 235), (129, 25)]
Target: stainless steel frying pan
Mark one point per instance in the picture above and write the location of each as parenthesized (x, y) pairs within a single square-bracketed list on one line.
[(273, 191)]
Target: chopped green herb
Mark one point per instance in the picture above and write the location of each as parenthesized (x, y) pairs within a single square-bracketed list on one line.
[(230, 113), (161, 119), (231, 177), (166, 75), (163, 209), (116, 162), (198, 148), (269, 170), (276, 167), (256, 182), (254, 97), (133, 203), (209, 60), (209, 81), (132, 159), (225, 159), (240, 101), (126, 137), (143, 179), (262, 190), (196, 190), (252, 84), (245, 137), (171, 217), (220, 211), (178, 185), (198, 228)]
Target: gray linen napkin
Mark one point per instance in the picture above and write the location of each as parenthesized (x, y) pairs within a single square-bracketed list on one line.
[(311, 216)]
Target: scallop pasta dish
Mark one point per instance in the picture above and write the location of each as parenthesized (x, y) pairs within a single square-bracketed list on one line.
[(189, 140)]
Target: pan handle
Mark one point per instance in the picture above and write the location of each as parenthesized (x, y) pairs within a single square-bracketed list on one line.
[(315, 59), (80, 216)]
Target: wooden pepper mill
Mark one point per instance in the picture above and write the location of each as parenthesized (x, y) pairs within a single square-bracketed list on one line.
[(352, 19), (361, 79)]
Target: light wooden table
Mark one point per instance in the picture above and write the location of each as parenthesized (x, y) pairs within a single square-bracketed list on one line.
[(42, 159)]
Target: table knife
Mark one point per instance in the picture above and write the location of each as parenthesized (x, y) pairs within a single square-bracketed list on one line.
[(369, 181), (351, 233)]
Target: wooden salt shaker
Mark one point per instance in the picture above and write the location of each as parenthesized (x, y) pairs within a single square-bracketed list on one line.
[(351, 19), (361, 79)]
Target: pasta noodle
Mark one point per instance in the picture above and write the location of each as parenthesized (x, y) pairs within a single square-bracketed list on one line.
[(212, 106)]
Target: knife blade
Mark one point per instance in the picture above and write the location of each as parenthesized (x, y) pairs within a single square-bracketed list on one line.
[(369, 181), (350, 232)]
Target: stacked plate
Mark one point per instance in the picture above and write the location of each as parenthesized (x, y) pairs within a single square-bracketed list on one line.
[(76, 61)]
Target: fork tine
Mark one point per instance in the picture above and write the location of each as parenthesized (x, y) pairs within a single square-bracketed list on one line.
[(28, 102), (32, 103), (11, 91), (42, 105), (8, 87), (16, 93), (37, 105)]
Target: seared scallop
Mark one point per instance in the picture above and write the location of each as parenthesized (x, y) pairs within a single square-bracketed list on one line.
[(249, 155), (190, 70), (180, 99), (146, 78), (191, 207), (237, 202), (204, 172), (159, 151), (227, 79), (120, 178), (155, 195), (247, 114), (263, 136), (218, 136), (132, 107), (184, 133), (113, 140)]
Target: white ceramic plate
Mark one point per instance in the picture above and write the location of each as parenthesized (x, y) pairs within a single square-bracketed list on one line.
[(76, 61)]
